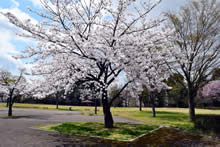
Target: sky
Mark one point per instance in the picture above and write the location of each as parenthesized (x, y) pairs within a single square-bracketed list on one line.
[(11, 44)]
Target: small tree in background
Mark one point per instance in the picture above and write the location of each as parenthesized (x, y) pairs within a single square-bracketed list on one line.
[(143, 97), (121, 100), (177, 95), (46, 87), (195, 44), (12, 86), (89, 93)]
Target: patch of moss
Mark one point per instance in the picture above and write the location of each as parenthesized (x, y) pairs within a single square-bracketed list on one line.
[(103, 133), (130, 132), (70, 128)]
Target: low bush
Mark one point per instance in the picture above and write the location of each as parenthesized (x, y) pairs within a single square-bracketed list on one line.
[(208, 123)]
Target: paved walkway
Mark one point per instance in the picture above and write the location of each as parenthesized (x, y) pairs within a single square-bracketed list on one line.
[(18, 132)]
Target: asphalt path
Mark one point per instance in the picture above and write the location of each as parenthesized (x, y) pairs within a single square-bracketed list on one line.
[(19, 131)]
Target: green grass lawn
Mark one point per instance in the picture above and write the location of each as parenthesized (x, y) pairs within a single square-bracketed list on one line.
[(121, 131), (175, 117)]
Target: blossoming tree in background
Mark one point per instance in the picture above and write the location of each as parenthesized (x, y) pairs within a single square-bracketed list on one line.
[(150, 70), (45, 87), (210, 92), (12, 86), (94, 41)]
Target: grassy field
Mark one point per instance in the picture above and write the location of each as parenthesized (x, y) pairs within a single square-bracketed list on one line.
[(175, 117)]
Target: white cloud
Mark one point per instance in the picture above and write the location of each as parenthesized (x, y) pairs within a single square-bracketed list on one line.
[(8, 37), (36, 3), (15, 3), (6, 47)]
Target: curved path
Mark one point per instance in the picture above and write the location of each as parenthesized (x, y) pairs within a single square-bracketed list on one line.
[(18, 131)]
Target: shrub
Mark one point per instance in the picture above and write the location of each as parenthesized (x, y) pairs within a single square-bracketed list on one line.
[(208, 123)]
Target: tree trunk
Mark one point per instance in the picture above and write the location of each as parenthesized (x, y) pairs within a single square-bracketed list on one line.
[(7, 102), (10, 103), (191, 95), (108, 117), (57, 102), (57, 105), (140, 104), (153, 110), (95, 106), (106, 110), (10, 110), (153, 105)]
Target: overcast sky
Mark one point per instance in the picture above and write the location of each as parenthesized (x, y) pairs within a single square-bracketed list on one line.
[(10, 44)]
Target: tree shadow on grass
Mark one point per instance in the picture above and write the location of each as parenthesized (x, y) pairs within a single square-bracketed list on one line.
[(25, 117), (174, 119), (168, 116)]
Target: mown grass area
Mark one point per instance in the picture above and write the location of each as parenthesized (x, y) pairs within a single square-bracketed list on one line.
[(121, 131), (37, 106), (175, 117)]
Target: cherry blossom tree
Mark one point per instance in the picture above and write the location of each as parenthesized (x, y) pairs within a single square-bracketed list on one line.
[(195, 44), (12, 86), (93, 41), (45, 87), (150, 70), (210, 92)]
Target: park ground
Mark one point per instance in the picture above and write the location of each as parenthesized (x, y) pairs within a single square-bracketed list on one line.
[(19, 129)]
